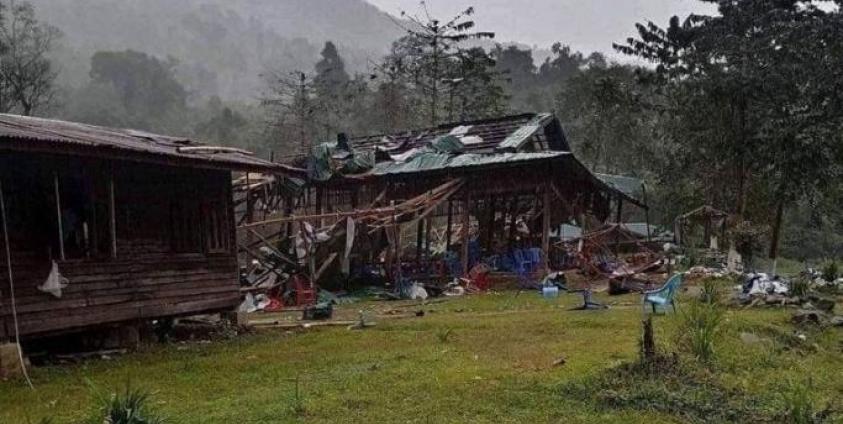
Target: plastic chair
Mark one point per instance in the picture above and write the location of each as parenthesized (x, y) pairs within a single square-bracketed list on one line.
[(666, 295), (305, 291), (535, 257), (478, 277), (522, 263)]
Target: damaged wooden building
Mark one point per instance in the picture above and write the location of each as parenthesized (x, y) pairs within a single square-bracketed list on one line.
[(468, 190), (109, 226)]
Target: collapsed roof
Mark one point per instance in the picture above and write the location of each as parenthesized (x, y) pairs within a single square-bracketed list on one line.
[(457, 148)]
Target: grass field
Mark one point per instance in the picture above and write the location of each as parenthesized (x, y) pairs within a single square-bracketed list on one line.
[(478, 359)]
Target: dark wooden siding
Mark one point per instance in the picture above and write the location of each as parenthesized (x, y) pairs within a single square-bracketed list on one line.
[(150, 277)]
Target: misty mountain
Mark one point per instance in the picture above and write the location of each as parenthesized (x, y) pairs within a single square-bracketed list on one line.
[(222, 46)]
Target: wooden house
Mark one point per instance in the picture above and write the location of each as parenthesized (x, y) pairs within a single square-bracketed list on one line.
[(140, 225)]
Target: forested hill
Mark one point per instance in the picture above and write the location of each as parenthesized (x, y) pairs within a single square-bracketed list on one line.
[(222, 45)]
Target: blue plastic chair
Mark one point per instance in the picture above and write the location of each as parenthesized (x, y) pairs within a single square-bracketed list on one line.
[(523, 264), (664, 296), (536, 257), (452, 261)]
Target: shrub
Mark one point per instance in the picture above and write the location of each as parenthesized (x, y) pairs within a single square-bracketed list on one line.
[(700, 328), (800, 286), (831, 271), (712, 291), (130, 407)]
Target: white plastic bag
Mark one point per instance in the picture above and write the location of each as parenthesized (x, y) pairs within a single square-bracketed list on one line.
[(55, 282), (417, 292)]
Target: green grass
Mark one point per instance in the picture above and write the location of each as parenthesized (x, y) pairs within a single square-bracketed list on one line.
[(479, 359)]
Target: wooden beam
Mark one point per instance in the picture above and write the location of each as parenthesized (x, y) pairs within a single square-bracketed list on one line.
[(58, 215)]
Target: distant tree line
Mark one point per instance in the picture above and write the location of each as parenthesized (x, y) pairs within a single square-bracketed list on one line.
[(741, 110)]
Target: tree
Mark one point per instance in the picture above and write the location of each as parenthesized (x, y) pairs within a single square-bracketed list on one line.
[(431, 54), (224, 124), (292, 109), (518, 71), (331, 78), (27, 76), (756, 93), (147, 86), (608, 119)]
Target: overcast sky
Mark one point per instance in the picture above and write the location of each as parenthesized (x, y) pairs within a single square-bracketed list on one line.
[(586, 25)]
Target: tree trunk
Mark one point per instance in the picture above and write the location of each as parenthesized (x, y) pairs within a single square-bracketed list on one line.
[(777, 228)]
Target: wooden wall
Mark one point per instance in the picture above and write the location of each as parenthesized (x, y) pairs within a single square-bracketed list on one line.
[(150, 278)]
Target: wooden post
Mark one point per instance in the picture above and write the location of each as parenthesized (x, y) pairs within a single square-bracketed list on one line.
[(490, 230), (546, 227), (58, 215), (250, 212), (419, 241), (618, 223), (647, 214), (513, 220), (427, 230), (320, 197), (466, 236), (112, 215), (449, 226)]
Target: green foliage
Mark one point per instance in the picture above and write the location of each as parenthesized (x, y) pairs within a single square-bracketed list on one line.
[(800, 404), (800, 286), (689, 394), (712, 290), (445, 80), (701, 329), (146, 86), (445, 335), (831, 271), (27, 73), (129, 407), (754, 119)]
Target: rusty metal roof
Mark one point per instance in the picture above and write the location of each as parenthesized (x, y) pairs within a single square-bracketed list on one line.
[(24, 133), (489, 134)]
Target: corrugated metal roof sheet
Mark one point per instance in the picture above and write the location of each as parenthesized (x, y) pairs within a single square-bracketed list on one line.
[(492, 132), (632, 187), (83, 139), (434, 161)]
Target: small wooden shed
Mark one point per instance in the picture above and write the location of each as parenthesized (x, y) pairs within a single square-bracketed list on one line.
[(140, 225)]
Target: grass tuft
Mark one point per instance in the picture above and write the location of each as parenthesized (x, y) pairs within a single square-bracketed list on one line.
[(130, 407), (700, 330)]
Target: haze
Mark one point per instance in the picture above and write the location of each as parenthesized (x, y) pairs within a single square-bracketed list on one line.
[(591, 25)]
